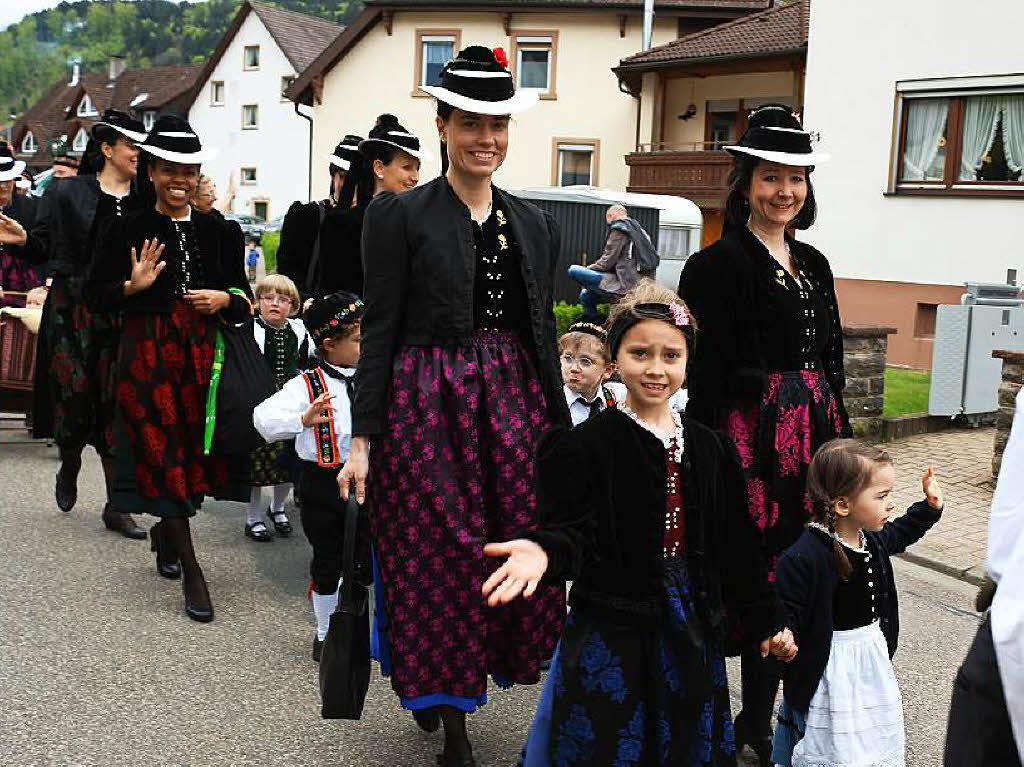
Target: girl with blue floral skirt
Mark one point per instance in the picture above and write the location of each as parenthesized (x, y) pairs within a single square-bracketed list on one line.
[(644, 510)]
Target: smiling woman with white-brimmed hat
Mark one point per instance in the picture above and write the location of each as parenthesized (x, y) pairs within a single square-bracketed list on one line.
[(167, 269), (457, 380), (769, 368)]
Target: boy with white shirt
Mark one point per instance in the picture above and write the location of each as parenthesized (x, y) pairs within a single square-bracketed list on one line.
[(315, 409), (586, 368)]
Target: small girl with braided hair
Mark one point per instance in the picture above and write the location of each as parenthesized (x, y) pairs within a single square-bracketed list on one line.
[(841, 703)]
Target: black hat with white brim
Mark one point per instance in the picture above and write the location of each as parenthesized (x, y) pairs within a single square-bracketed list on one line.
[(10, 168), (474, 81), (345, 152), (124, 124), (390, 133), (173, 139), (774, 134)]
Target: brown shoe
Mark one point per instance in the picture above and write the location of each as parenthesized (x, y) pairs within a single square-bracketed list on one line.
[(122, 523)]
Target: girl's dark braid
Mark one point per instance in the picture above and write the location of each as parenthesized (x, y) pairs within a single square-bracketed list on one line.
[(842, 561)]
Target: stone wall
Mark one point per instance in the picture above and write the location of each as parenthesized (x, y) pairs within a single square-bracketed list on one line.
[(864, 351), (1013, 377)]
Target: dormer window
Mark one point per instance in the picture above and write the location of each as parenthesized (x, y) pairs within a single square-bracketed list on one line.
[(28, 144), (148, 118), (81, 140), (85, 107)]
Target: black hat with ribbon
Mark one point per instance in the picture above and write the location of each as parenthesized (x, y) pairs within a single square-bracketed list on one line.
[(345, 152), (332, 314), (173, 139), (124, 124), (478, 80), (389, 132), (9, 167), (775, 134)]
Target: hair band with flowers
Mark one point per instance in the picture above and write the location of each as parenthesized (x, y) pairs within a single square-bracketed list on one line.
[(338, 318), (588, 327), (501, 57), (679, 315)]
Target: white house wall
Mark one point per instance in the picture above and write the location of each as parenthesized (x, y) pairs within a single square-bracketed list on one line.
[(278, 149), (857, 53), (377, 74)]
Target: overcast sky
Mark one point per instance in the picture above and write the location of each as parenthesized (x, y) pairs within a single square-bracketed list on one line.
[(13, 11)]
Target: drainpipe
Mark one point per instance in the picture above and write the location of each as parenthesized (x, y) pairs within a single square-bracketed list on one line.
[(648, 24), (309, 165)]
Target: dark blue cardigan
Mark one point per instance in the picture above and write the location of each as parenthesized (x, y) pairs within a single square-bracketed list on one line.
[(807, 580)]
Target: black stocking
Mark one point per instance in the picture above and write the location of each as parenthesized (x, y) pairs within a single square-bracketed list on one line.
[(178, 534), (456, 739), (109, 474), (71, 462)]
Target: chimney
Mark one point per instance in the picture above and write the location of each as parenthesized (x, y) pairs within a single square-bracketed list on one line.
[(648, 24), (117, 66), (74, 74)]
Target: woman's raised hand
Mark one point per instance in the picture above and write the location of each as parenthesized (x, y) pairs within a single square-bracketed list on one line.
[(146, 267), (319, 411), (782, 646), (355, 470), (520, 574), (11, 232)]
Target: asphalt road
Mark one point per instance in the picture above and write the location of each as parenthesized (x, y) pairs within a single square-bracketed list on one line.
[(100, 666)]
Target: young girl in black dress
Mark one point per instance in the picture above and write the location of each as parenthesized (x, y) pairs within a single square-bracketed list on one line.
[(644, 510)]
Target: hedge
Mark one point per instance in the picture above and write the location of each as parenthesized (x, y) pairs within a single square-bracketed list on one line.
[(270, 242), (566, 314)]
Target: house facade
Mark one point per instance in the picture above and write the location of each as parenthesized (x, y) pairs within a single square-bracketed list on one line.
[(925, 189), (238, 107), (695, 94), (69, 108), (583, 126)]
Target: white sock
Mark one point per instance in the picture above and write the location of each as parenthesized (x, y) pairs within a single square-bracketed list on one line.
[(255, 510), (280, 496), (324, 606)]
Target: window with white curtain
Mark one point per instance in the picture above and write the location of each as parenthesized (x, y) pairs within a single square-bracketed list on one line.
[(28, 144), (962, 142), (436, 51), (81, 141), (85, 107)]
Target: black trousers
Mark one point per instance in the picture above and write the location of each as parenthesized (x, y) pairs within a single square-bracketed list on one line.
[(979, 732), (323, 521)]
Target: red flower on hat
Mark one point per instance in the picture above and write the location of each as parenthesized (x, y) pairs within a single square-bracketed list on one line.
[(501, 57)]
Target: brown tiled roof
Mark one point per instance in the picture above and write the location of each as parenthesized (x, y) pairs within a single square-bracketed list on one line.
[(695, 5), (771, 32), (54, 114), (301, 37)]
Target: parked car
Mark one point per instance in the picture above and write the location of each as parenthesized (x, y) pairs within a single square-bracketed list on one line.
[(252, 227), (275, 225)]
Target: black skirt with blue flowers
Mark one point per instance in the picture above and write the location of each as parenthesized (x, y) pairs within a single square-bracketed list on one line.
[(619, 695)]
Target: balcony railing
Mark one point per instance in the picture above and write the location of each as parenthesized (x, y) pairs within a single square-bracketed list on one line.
[(696, 173)]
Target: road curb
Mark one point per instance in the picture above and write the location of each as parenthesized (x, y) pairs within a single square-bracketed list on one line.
[(974, 575)]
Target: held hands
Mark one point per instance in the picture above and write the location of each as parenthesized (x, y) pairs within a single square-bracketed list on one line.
[(355, 470), (208, 301), (932, 489), (146, 267), (11, 232), (319, 411), (782, 646), (520, 573)]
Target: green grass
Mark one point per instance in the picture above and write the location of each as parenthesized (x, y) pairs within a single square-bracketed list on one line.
[(906, 392)]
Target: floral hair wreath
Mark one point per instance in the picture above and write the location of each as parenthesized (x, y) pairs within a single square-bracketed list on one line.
[(590, 328), (335, 323)]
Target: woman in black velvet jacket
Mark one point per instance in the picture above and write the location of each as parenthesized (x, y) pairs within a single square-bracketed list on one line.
[(769, 368), (175, 274)]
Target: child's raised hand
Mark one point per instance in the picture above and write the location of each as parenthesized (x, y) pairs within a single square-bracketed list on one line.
[(319, 411), (782, 646), (520, 573), (932, 489)]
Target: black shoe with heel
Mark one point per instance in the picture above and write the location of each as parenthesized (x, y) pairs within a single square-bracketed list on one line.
[(66, 488), (284, 527), (198, 606), (119, 522), (166, 560)]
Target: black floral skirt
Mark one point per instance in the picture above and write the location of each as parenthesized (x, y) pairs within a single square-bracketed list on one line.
[(163, 375), (82, 349), (620, 696)]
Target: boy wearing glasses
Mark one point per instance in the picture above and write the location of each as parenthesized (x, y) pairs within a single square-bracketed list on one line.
[(586, 368), (286, 347)]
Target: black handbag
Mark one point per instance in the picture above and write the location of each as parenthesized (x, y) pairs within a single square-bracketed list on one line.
[(345, 657), (241, 380)]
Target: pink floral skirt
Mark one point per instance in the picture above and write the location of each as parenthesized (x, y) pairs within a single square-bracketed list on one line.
[(775, 440)]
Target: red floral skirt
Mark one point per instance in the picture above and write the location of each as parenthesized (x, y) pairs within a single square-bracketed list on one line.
[(163, 375), (775, 440)]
